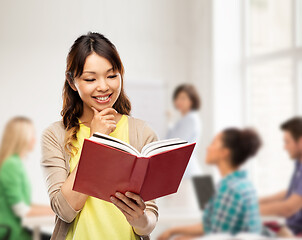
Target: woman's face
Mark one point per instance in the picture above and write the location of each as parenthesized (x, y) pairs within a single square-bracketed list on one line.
[(183, 103), (216, 151), (99, 86)]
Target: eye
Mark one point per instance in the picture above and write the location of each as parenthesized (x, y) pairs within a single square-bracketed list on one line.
[(89, 80), (112, 76)]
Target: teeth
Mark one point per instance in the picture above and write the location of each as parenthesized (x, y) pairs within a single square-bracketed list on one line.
[(102, 98)]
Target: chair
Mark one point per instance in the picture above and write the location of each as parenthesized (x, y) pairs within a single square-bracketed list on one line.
[(7, 231)]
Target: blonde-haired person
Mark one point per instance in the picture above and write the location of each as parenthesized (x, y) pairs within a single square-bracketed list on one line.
[(15, 191), (94, 101)]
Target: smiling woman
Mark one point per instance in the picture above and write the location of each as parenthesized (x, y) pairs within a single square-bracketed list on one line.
[(94, 101), (98, 87), (94, 69)]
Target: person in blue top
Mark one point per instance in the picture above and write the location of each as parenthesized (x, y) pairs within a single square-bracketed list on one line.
[(188, 103), (288, 203), (234, 207)]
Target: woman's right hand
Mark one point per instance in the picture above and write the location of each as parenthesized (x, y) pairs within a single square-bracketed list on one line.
[(103, 121)]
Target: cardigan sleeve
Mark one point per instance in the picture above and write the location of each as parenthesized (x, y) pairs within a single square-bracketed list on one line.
[(55, 172)]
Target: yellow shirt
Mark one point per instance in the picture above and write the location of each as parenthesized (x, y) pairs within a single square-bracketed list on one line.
[(100, 219)]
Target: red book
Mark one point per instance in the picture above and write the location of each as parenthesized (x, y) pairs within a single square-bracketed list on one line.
[(108, 165)]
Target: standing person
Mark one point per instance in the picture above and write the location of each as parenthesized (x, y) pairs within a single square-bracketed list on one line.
[(15, 190), (288, 203), (188, 127), (234, 208), (94, 101), (187, 101)]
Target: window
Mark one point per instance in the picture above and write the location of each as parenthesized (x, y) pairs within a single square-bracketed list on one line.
[(269, 25), (272, 71)]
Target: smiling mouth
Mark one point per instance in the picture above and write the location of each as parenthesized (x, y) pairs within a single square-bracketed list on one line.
[(103, 99)]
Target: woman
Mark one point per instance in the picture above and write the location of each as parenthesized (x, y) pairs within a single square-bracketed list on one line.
[(187, 102), (234, 208), (94, 101), (15, 191)]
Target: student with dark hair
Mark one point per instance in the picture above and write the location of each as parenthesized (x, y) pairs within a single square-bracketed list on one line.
[(288, 203), (234, 207), (94, 100)]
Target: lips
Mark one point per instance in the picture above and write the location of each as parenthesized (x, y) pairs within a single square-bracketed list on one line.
[(102, 99)]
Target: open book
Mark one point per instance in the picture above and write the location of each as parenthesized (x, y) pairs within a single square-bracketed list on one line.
[(108, 164)]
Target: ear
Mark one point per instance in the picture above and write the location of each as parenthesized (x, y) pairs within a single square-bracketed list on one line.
[(70, 81)]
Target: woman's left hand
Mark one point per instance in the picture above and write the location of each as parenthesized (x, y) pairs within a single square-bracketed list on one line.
[(133, 207)]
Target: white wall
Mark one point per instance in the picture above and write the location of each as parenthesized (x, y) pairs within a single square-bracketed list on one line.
[(168, 40), (228, 96)]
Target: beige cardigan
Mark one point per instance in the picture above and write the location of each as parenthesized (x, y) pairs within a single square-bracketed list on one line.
[(55, 165)]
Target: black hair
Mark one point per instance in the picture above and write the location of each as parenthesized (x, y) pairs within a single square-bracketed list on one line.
[(242, 144)]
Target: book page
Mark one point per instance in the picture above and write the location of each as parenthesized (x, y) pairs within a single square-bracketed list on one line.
[(114, 142), (153, 148)]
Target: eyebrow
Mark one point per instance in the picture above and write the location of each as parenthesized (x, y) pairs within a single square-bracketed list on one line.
[(109, 70)]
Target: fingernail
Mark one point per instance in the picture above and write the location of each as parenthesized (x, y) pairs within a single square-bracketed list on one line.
[(112, 199), (127, 194), (117, 194)]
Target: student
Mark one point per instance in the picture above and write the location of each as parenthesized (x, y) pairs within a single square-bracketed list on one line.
[(94, 101), (15, 190), (288, 203), (234, 207), (187, 102)]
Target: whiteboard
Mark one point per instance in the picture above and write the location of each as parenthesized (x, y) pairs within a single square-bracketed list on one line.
[(149, 103)]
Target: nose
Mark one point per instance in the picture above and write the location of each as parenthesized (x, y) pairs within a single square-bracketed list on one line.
[(102, 85)]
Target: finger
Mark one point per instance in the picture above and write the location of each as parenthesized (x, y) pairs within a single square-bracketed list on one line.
[(109, 117), (108, 111), (128, 216), (111, 122), (112, 126), (121, 205), (140, 202), (130, 203)]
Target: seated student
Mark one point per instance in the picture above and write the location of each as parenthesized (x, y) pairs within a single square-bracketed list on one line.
[(234, 207), (15, 200), (288, 203)]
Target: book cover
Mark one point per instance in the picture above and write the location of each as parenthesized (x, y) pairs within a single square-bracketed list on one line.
[(104, 170)]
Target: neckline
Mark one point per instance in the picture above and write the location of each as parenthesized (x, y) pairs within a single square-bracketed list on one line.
[(235, 174)]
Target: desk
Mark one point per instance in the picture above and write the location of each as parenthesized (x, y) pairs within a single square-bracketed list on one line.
[(45, 223), (175, 217)]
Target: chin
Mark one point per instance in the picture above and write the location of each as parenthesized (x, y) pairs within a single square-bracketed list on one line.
[(102, 107)]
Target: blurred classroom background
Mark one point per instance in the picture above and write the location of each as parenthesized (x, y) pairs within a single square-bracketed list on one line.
[(243, 56)]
